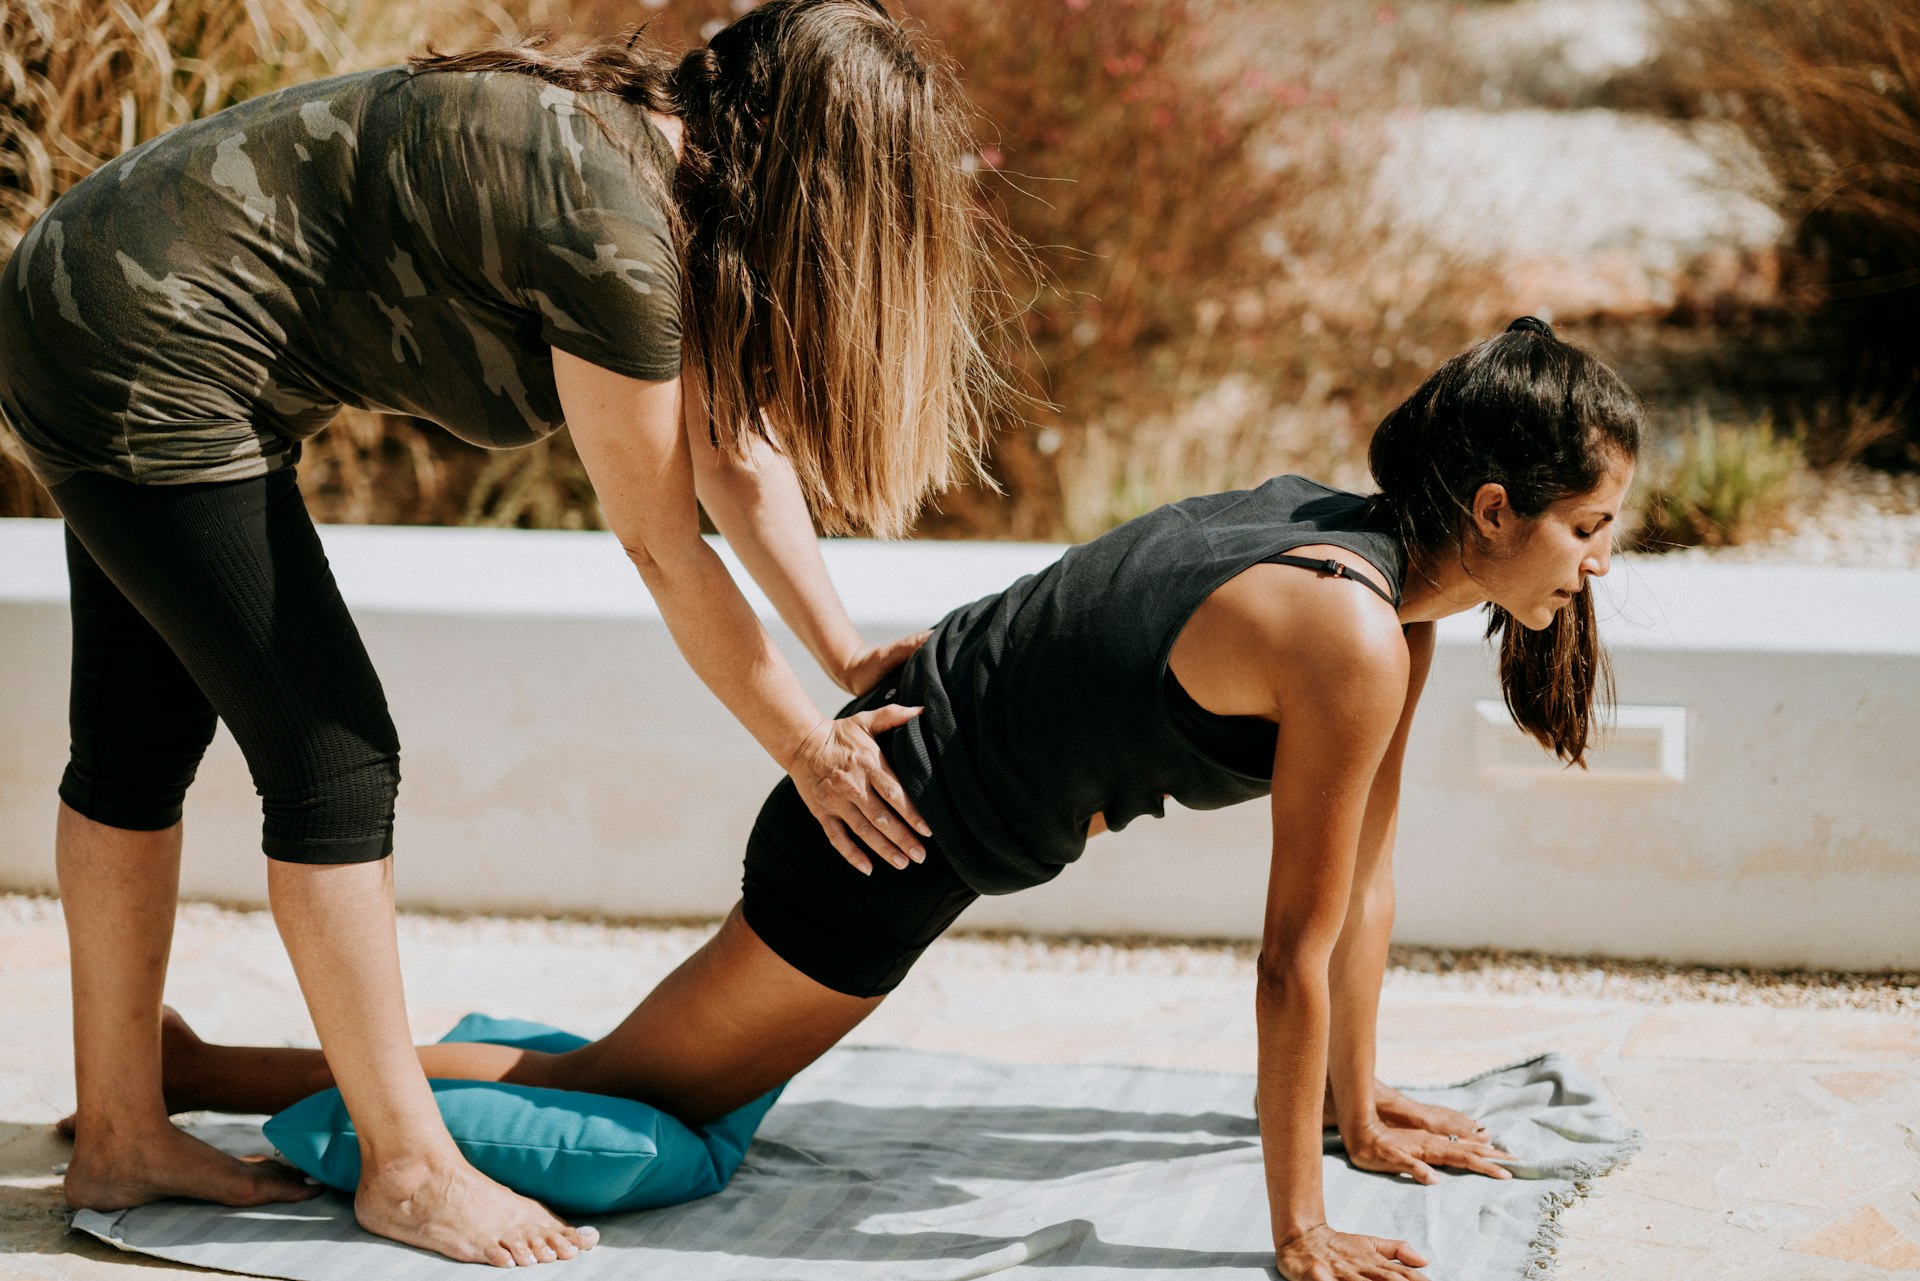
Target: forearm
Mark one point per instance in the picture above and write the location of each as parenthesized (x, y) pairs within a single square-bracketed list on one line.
[(757, 505), (721, 639), (1358, 968), (1292, 1012), (1360, 957)]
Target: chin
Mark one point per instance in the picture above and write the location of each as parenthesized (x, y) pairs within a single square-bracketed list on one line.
[(1539, 620)]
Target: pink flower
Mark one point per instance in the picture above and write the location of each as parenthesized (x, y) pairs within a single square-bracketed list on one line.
[(990, 156)]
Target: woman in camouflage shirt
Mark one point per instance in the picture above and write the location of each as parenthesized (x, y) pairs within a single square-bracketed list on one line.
[(757, 274)]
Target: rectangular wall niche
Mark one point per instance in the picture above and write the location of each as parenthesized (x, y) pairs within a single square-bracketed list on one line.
[(1645, 744)]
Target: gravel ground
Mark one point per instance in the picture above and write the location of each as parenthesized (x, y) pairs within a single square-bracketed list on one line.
[(1414, 971)]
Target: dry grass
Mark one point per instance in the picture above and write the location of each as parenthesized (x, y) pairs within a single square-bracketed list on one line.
[(1210, 305), (1828, 93), (1191, 178), (83, 80)]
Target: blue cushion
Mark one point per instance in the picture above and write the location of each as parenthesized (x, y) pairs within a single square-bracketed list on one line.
[(585, 1153)]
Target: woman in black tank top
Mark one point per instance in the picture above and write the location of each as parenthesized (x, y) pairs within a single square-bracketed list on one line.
[(1270, 642)]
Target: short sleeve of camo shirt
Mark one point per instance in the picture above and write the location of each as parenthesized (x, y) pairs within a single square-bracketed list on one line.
[(596, 257)]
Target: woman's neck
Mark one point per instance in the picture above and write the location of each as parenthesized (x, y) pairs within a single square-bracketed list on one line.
[(1436, 586)]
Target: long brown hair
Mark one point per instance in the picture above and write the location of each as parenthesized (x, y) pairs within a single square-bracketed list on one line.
[(1546, 420), (839, 293)]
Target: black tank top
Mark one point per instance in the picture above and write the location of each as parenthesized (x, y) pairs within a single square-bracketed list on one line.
[(1047, 703)]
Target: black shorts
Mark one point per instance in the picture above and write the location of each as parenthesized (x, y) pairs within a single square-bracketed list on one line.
[(855, 934)]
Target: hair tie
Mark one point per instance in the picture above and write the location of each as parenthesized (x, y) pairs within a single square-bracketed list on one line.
[(1532, 325)]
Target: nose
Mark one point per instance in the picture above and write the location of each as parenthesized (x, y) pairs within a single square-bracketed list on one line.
[(1600, 559)]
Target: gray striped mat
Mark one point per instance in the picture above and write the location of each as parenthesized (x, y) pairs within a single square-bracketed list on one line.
[(897, 1165)]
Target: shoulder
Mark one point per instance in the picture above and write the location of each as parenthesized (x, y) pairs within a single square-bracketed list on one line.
[(1310, 636), (1349, 635)]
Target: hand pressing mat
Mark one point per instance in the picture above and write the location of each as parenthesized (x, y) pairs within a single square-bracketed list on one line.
[(898, 1165)]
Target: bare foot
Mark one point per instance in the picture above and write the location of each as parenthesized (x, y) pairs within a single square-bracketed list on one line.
[(455, 1210), (112, 1173), (179, 1056)]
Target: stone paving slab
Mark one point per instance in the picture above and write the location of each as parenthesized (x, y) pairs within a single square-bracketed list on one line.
[(1783, 1143)]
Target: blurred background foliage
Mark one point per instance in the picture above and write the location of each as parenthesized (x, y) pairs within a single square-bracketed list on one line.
[(1216, 289)]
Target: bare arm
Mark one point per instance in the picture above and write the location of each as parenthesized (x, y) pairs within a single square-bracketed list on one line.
[(1338, 692), (1360, 957), (757, 504), (1382, 1129), (629, 436)]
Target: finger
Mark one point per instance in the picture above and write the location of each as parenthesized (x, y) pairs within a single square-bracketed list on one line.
[(1486, 1150), (1401, 1252), (1395, 1161), (1480, 1165), (909, 812), (877, 721), (876, 840), (837, 836), (1447, 1121), (887, 788), (881, 719), (1392, 1272), (903, 648)]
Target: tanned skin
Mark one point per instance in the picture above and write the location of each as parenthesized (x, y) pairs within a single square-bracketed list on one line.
[(1340, 671)]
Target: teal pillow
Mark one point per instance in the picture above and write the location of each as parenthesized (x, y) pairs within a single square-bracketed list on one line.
[(579, 1152)]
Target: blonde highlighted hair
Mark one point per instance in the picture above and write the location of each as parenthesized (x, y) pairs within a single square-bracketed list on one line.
[(839, 287)]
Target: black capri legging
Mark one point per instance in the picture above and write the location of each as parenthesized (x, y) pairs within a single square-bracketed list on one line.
[(195, 600)]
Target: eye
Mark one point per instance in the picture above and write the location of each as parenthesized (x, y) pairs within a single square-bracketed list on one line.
[(1584, 533)]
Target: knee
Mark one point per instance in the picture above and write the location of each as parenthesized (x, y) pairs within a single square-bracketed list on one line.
[(338, 807), (135, 777)]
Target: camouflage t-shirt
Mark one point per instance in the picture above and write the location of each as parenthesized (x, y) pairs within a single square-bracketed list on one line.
[(399, 242)]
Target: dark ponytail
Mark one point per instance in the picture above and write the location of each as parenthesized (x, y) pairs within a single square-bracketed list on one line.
[(1546, 420)]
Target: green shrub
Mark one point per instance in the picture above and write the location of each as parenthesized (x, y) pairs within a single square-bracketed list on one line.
[(1726, 485)]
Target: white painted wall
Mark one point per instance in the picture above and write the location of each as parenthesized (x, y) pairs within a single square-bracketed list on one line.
[(559, 756)]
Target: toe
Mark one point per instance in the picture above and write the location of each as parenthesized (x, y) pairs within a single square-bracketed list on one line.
[(499, 1257)]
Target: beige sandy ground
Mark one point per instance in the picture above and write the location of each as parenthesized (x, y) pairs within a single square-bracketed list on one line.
[(1783, 1116)]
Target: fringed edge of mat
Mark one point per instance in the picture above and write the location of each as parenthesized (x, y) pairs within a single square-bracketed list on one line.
[(1543, 1252)]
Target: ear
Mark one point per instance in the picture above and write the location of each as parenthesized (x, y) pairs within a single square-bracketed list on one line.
[(1492, 511)]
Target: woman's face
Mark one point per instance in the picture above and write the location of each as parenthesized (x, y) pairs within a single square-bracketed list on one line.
[(1535, 568)]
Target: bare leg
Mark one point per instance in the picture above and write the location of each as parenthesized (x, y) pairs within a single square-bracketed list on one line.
[(118, 890), (729, 1024), (732, 1022), (415, 1186)]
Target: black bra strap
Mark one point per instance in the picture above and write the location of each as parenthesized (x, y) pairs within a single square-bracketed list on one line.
[(1338, 569)]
